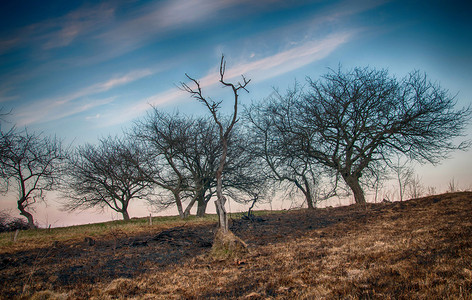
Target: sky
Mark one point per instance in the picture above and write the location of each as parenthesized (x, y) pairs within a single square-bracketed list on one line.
[(86, 69)]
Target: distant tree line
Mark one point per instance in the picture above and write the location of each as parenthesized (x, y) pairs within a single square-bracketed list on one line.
[(337, 135)]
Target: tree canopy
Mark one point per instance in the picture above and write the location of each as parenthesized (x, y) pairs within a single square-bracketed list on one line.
[(109, 174), (349, 121)]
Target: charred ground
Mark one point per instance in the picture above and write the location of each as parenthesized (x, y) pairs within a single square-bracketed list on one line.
[(420, 248)]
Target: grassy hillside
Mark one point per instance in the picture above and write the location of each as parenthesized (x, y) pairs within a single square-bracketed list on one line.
[(420, 248)]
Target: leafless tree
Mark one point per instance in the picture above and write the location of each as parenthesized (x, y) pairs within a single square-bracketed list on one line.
[(351, 121), (452, 185), (404, 173), (245, 180), (224, 130), (414, 187), (430, 190), (109, 174), (270, 143), (185, 152), (31, 165)]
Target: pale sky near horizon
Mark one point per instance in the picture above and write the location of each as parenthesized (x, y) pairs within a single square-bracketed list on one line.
[(85, 69)]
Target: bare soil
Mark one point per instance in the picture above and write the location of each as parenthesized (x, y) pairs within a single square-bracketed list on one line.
[(419, 248)]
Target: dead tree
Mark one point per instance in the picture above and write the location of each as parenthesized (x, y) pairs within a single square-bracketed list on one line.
[(224, 130)]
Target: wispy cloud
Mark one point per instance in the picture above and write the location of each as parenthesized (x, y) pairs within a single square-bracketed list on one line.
[(286, 61), (60, 31), (77, 23), (138, 108), (104, 86), (159, 18), (258, 70), (48, 111), (97, 116), (57, 108), (5, 89)]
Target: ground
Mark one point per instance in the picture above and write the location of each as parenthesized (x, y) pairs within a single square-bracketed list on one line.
[(420, 248)]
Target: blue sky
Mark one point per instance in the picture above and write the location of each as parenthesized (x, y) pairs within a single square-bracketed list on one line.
[(84, 69)]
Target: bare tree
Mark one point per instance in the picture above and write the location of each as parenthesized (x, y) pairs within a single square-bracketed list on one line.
[(31, 165), (270, 143), (109, 174), (404, 173), (414, 187), (224, 131), (245, 179), (185, 152), (200, 158), (452, 186), (431, 190), (351, 121)]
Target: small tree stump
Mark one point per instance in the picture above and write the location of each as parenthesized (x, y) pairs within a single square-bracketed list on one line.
[(228, 246)]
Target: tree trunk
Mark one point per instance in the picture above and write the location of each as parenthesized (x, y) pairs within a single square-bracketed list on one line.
[(124, 208), (202, 205), (353, 182), (309, 201), (222, 217), (308, 196), (125, 215), (306, 192), (189, 207), (26, 214), (221, 200), (178, 202)]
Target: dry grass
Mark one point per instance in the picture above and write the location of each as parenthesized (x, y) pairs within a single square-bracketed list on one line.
[(44, 237), (39, 238), (418, 249)]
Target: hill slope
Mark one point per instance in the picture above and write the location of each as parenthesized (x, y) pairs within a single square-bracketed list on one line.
[(420, 248)]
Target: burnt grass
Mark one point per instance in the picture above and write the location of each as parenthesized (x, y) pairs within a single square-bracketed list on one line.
[(420, 248)]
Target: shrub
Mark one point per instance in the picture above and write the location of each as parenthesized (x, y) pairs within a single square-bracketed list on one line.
[(7, 223)]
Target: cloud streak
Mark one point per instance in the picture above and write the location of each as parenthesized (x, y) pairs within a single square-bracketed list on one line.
[(105, 86), (46, 112), (282, 62), (258, 70), (158, 19), (60, 31), (288, 60), (57, 108), (150, 22)]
